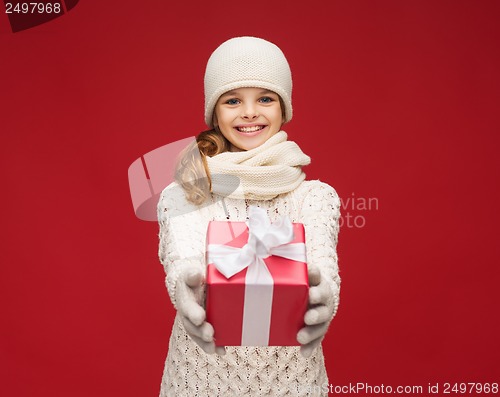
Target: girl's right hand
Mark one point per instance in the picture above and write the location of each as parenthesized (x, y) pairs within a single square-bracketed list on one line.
[(190, 285), (319, 314)]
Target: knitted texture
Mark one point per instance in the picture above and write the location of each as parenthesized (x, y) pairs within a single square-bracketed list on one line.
[(247, 62), (249, 371), (273, 168)]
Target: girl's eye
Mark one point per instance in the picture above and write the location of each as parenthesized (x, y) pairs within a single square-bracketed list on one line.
[(232, 101), (266, 99)]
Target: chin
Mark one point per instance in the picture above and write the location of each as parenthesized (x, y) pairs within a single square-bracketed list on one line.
[(247, 145)]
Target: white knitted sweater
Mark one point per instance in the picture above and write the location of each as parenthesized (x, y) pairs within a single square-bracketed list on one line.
[(249, 371)]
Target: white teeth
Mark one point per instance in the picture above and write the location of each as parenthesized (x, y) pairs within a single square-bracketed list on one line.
[(250, 129)]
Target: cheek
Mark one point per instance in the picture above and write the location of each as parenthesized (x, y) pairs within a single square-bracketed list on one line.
[(223, 116), (278, 117), (225, 126)]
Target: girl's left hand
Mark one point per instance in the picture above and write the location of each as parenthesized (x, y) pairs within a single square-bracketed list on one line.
[(318, 315)]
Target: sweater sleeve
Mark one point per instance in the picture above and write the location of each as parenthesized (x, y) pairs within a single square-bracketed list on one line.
[(177, 247), (320, 214)]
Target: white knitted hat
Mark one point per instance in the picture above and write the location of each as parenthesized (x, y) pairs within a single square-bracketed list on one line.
[(247, 62)]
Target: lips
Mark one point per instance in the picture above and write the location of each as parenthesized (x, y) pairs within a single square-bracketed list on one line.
[(249, 129)]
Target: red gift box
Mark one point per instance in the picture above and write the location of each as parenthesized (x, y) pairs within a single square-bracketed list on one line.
[(243, 322)]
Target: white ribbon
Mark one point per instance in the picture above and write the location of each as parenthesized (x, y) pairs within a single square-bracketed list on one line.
[(264, 239)]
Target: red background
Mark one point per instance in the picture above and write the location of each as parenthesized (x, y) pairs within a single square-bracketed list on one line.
[(393, 100)]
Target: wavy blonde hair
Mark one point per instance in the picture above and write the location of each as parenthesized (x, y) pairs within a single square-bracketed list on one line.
[(192, 172)]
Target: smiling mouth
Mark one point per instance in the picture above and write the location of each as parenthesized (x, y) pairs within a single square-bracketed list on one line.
[(254, 128)]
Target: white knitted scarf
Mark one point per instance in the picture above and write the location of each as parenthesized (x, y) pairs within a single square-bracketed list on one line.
[(262, 173)]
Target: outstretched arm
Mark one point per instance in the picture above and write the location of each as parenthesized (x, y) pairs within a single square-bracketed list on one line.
[(183, 261), (320, 214)]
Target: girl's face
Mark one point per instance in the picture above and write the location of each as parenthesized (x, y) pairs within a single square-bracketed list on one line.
[(248, 117)]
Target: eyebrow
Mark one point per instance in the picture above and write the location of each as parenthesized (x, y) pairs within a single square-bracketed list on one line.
[(235, 92)]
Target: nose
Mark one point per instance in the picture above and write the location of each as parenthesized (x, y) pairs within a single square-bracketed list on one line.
[(249, 111)]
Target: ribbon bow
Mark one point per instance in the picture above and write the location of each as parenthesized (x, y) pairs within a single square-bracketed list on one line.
[(264, 239)]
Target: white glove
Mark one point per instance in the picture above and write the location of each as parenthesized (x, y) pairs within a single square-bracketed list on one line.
[(190, 290), (319, 314)]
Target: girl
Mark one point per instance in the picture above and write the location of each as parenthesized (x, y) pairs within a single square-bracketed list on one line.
[(245, 159)]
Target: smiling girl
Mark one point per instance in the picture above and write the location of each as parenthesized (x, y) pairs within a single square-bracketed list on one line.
[(248, 89)]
